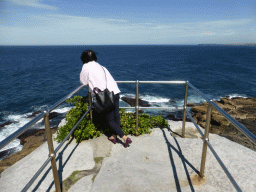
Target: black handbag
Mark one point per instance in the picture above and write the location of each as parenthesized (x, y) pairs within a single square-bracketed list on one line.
[(103, 100)]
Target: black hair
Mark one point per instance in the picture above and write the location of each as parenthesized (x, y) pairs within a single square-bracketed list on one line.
[(88, 55)]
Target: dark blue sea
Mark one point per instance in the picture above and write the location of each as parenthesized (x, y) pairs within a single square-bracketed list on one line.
[(34, 77)]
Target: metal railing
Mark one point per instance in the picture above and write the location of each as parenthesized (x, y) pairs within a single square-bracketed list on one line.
[(186, 112), (137, 107), (52, 152)]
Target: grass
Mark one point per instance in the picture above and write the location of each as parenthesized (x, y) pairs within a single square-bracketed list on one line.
[(77, 175)]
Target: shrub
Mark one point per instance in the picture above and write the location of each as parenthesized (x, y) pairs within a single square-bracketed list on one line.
[(86, 129)]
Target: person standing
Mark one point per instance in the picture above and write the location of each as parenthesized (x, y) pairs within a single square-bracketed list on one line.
[(94, 75)]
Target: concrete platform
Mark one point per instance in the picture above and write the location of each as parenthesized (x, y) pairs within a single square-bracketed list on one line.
[(71, 157), (160, 161)]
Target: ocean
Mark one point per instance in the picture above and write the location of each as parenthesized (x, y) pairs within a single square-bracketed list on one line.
[(34, 77)]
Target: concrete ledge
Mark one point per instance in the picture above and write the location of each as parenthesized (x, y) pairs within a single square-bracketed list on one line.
[(71, 157), (160, 161)]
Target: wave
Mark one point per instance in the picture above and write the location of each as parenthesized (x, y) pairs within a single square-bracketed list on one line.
[(160, 101), (19, 120)]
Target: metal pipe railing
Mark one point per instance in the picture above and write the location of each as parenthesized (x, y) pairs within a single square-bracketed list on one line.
[(37, 174), (223, 167), (240, 127), (52, 153), (205, 136), (55, 105), (17, 133), (137, 107), (51, 156), (154, 82), (72, 130), (184, 110), (215, 154), (177, 108), (51, 150)]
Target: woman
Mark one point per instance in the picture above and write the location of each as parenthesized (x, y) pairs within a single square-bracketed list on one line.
[(95, 75)]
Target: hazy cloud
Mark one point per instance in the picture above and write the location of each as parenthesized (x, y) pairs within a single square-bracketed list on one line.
[(65, 29), (32, 3)]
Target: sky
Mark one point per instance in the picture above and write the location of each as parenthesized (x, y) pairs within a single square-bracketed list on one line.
[(121, 22)]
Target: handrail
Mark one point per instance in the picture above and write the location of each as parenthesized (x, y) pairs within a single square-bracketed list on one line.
[(214, 153), (238, 125), (52, 153), (154, 82), (55, 152), (137, 99), (187, 84), (16, 134)]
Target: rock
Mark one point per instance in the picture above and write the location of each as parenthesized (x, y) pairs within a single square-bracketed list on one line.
[(34, 114), (52, 115), (219, 120), (7, 123), (199, 117), (241, 109), (202, 108), (176, 116), (132, 102), (172, 117), (190, 105), (7, 152)]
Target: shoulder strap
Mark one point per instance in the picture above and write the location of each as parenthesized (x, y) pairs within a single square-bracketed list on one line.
[(105, 78)]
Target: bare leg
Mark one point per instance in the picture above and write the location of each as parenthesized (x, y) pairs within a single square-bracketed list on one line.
[(124, 138), (112, 137)]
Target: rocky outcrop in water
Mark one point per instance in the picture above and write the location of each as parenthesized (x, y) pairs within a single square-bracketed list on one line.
[(7, 123), (241, 109), (52, 115), (132, 102)]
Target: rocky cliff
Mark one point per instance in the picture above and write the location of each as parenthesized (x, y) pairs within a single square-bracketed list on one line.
[(242, 109)]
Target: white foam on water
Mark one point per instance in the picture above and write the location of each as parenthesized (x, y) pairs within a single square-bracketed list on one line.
[(127, 95), (155, 99), (237, 95), (9, 129), (62, 110), (21, 120)]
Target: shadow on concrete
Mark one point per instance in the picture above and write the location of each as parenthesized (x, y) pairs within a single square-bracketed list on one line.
[(59, 160), (185, 162)]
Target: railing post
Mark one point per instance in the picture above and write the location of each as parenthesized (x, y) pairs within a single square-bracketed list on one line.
[(206, 136), (184, 111), (90, 104), (51, 151), (137, 107)]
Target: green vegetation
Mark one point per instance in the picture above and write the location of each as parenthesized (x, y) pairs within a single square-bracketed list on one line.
[(98, 159), (71, 180), (86, 129)]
